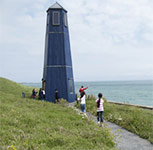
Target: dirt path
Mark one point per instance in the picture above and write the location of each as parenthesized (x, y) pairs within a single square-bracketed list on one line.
[(125, 139)]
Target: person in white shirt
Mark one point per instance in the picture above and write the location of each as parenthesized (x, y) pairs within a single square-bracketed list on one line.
[(83, 102)]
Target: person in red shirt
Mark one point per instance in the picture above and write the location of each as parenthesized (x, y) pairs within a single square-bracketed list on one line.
[(82, 89)]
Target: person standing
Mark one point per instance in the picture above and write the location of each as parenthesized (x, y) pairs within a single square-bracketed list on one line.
[(23, 94), (40, 94), (34, 93), (83, 102), (100, 109), (43, 94), (56, 96), (82, 89)]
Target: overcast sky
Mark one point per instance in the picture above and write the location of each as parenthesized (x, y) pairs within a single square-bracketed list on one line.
[(110, 39)]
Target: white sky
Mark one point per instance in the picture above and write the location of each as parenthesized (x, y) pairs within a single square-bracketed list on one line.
[(110, 39)]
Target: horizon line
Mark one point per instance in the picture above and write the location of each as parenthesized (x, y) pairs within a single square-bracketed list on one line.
[(100, 81)]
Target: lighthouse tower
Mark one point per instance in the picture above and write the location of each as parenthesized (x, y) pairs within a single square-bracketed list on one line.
[(57, 71)]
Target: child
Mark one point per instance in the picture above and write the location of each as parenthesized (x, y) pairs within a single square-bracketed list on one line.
[(34, 93), (83, 102), (100, 109), (56, 96)]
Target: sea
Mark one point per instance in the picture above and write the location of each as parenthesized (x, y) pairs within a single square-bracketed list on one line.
[(132, 92)]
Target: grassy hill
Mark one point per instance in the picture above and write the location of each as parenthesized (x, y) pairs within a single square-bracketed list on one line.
[(28, 124)]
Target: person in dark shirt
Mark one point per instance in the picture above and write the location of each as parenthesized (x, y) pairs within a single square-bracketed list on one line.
[(23, 94), (56, 96), (34, 93), (40, 94)]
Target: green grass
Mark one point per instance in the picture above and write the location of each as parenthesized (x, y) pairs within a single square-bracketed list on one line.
[(29, 124), (136, 120)]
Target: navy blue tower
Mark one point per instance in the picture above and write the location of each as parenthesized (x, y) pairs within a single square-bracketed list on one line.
[(58, 72)]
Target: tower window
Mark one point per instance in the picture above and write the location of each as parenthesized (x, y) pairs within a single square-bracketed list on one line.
[(56, 18), (71, 85), (65, 19)]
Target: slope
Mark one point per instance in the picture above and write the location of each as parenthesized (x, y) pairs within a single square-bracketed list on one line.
[(32, 124)]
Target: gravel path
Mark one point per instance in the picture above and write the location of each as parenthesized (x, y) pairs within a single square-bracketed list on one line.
[(125, 139)]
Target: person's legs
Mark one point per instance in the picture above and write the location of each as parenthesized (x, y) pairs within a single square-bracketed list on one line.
[(98, 116), (101, 116), (82, 108)]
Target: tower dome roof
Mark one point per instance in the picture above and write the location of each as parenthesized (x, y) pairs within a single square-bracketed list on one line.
[(56, 6)]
